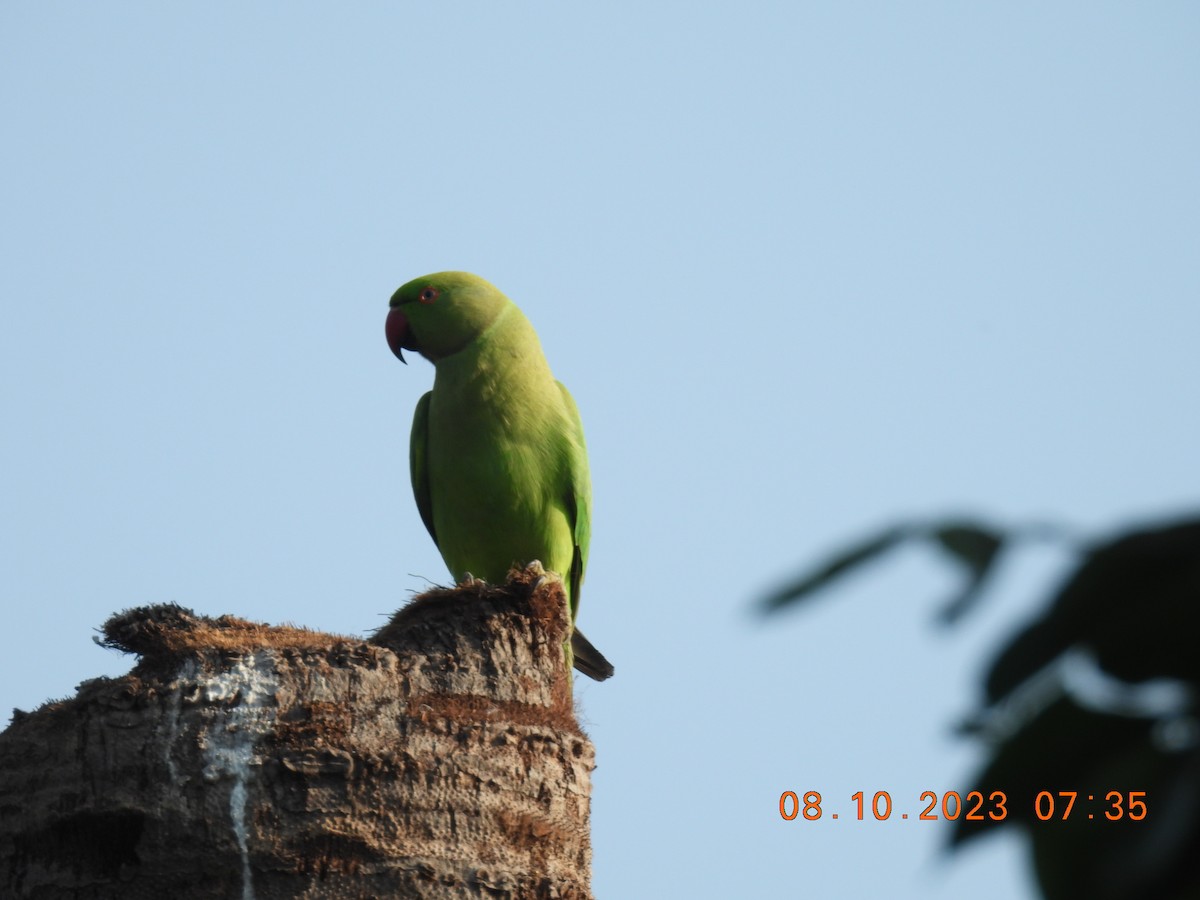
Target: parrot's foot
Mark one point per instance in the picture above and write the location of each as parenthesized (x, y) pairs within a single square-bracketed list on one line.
[(469, 580), (536, 569)]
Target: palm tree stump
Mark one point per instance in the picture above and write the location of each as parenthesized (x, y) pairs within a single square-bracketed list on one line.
[(440, 759)]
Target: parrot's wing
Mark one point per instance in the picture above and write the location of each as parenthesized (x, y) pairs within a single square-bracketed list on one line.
[(418, 463), (586, 658), (579, 497)]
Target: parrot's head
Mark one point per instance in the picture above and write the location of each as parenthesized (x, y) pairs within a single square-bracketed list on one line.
[(439, 314)]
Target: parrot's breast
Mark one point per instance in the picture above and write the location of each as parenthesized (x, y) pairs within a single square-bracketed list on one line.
[(498, 487)]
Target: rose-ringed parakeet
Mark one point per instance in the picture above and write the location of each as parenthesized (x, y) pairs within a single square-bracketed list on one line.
[(498, 463)]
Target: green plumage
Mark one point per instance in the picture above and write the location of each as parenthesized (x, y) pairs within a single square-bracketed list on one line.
[(498, 461)]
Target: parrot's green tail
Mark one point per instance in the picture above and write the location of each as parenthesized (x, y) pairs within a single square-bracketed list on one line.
[(588, 659)]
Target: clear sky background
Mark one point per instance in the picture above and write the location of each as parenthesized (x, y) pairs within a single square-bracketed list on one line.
[(805, 267)]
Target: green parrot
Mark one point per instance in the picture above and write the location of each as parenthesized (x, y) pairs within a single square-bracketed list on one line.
[(498, 463)]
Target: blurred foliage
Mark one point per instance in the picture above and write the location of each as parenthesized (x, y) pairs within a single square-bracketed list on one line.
[(1092, 706), (971, 545)]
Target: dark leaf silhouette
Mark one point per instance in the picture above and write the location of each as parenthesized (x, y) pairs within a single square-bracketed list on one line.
[(1068, 749), (1134, 603)]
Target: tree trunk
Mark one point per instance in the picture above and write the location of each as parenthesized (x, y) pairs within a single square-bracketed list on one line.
[(439, 759)]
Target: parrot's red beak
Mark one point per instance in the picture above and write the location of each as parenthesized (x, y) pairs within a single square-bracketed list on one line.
[(399, 335)]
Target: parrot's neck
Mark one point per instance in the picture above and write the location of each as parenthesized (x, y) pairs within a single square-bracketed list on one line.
[(504, 363)]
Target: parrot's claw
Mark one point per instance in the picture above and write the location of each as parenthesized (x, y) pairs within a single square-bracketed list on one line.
[(469, 580), (543, 577)]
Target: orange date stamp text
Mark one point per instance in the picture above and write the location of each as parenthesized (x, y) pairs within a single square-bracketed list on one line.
[(976, 806)]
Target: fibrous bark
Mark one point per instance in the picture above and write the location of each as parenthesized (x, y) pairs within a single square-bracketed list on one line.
[(440, 758)]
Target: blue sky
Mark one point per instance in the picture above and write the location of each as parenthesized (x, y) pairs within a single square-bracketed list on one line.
[(805, 267)]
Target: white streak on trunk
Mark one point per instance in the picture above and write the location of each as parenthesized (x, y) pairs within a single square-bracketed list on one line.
[(243, 710)]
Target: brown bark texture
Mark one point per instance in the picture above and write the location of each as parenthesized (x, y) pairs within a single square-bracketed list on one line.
[(441, 758)]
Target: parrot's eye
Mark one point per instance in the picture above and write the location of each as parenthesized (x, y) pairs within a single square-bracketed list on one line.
[(428, 295)]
